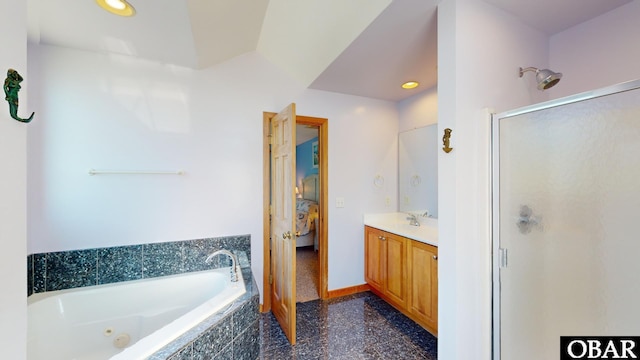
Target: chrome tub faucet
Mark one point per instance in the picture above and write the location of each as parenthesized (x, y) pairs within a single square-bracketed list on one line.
[(234, 262)]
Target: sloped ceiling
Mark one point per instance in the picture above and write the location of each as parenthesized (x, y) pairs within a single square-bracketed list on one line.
[(400, 45), (160, 30), (304, 37), (358, 47), (224, 29)]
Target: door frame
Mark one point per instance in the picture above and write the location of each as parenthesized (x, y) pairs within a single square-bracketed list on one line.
[(323, 208)]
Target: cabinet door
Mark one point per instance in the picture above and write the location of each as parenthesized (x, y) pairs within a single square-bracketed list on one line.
[(396, 266), (423, 298), (373, 255)]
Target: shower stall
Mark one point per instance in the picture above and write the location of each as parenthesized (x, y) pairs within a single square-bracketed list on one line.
[(566, 222)]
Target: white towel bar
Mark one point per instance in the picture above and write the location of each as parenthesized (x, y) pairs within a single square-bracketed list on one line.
[(118, 172)]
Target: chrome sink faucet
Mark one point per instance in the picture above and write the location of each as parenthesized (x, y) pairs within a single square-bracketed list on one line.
[(234, 262), (413, 220)]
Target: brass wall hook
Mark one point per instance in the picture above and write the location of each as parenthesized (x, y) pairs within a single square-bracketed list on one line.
[(11, 88), (446, 140)]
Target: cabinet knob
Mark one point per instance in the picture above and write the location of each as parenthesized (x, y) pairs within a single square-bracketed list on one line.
[(383, 238), (435, 257)]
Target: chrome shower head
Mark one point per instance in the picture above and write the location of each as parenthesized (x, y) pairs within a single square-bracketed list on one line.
[(545, 77)]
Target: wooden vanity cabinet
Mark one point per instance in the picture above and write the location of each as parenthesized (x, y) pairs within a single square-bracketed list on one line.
[(374, 254), (404, 272), (386, 264), (423, 289)]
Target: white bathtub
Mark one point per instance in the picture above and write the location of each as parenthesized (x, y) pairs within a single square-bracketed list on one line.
[(94, 322)]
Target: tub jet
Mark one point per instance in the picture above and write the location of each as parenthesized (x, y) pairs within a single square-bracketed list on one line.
[(121, 341)]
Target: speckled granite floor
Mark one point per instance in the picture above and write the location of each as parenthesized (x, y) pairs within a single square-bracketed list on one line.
[(360, 326)]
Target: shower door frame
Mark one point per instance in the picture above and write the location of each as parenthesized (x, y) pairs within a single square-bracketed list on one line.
[(497, 257)]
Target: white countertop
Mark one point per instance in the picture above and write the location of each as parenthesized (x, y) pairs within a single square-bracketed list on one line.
[(398, 224)]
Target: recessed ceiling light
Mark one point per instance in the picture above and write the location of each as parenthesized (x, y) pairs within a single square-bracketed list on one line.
[(118, 7), (410, 85)]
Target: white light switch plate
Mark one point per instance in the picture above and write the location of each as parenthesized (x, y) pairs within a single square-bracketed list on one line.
[(340, 202)]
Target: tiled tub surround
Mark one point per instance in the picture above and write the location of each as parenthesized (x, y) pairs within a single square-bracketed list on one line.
[(77, 268), (142, 316), (230, 334)]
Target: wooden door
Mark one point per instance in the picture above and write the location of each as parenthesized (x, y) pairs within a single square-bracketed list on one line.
[(396, 269), (283, 244)]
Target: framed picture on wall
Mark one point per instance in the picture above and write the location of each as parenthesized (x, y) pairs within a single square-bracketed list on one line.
[(314, 154)]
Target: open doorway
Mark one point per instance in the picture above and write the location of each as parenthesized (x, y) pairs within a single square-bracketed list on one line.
[(307, 188), (311, 185)]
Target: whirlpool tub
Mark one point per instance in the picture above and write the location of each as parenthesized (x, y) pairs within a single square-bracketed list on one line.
[(129, 320)]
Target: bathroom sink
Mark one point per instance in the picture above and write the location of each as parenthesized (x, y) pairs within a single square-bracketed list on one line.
[(424, 233), (398, 224)]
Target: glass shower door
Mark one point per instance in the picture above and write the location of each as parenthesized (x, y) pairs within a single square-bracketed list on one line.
[(566, 222)]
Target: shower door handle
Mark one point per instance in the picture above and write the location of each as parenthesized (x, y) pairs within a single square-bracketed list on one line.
[(527, 220)]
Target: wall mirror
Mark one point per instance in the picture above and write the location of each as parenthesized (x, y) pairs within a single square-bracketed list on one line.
[(418, 170)]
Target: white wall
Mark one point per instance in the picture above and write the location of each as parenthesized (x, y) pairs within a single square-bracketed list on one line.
[(419, 110), (13, 212), (120, 113), (479, 52), (598, 53)]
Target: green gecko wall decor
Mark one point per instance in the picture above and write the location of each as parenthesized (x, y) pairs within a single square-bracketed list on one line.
[(11, 88)]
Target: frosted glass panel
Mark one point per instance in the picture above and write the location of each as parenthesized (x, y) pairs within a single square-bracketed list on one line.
[(569, 209)]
